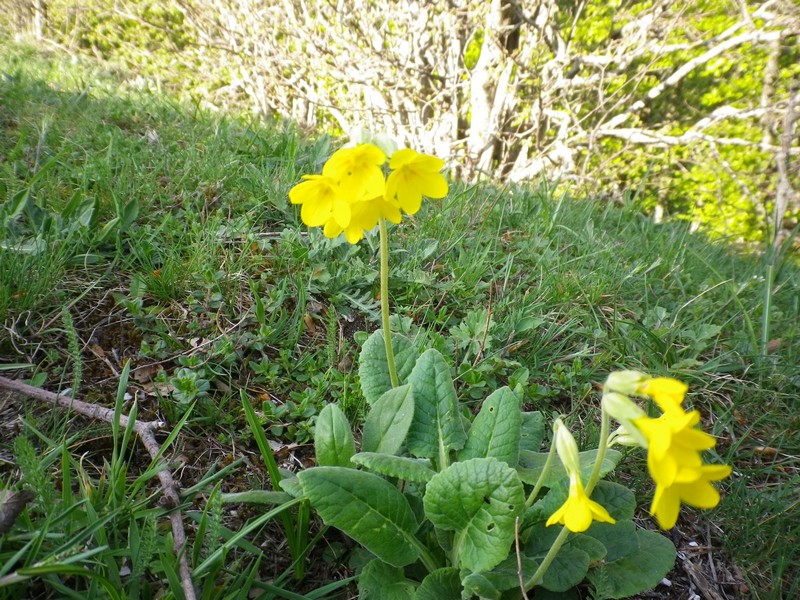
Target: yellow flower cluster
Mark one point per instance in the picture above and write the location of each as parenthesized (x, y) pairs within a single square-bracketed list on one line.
[(674, 443), (352, 194)]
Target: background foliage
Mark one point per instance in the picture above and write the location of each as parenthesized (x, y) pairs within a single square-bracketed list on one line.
[(689, 106)]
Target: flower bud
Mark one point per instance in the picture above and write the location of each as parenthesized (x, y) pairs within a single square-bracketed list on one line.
[(566, 447), (620, 407), (625, 382), (623, 437), (386, 143)]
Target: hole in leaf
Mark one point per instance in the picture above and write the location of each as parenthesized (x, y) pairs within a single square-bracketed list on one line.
[(486, 499), (490, 527)]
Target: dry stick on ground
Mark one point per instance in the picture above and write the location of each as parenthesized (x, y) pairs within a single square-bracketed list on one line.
[(146, 430)]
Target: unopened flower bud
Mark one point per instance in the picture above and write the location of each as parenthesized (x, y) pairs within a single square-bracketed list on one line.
[(620, 407), (625, 382), (623, 437), (386, 143), (566, 447)]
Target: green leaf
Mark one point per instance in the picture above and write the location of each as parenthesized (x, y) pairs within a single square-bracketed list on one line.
[(436, 428), (638, 571), (505, 576), (496, 430), (441, 584), (388, 421), (482, 586), (479, 499), (379, 581), (291, 485), (595, 550), (367, 508), (619, 538), (333, 440), (570, 565), (373, 369), (567, 570), (532, 431), (531, 465), (619, 501), (401, 467)]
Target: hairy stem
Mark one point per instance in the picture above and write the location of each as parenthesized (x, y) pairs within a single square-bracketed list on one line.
[(387, 334)]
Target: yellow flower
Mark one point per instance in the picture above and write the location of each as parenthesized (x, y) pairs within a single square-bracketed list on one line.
[(363, 217), (413, 176), (321, 201), (673, 443), (357, 171), (578, 512), (668, 393), (691, 487)]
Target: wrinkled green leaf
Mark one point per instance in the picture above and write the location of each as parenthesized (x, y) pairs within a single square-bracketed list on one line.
[(436, 428), (442, 584), (505, 576), (291, 485), (571, 563), (387, 423), (496, 429), (637, 571), (333, 439), (532, 432), (367, 508), (594, 549), (479, 499), (619, 538), (619, 501), (373, 369), (567, 570), (379, 581), (401, 467)]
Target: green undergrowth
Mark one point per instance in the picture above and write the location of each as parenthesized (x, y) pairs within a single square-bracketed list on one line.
[(137, 230)]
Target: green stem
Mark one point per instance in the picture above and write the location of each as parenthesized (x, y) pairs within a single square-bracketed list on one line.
[(537, 577), (387, 334), (540, 482), (424, 554), (605, 423)]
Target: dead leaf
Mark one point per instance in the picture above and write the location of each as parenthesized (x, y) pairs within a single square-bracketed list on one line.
[(145, 373), (11, 504)]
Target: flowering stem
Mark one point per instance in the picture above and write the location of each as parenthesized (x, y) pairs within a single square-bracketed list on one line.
[(540, 482), (387, 334), (605, 422), (537, 577)]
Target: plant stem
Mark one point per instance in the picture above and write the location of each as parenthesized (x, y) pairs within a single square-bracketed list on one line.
[(605, 422), (424, 554), (537, 577), (539, 482), (387, 334)]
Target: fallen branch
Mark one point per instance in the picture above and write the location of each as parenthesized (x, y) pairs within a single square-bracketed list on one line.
[(146, 431)]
